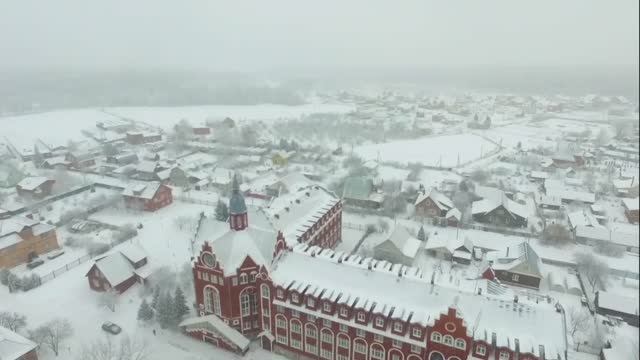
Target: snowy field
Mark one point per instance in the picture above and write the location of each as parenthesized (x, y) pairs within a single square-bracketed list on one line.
[(166, 117), (433, 151), (58, 127)]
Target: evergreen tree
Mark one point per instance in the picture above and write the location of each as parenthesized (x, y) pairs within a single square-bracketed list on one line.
[(164, 310), (156, 297), (487, 122), (145, 312), (180, 308), (421, 235), (222, 212)]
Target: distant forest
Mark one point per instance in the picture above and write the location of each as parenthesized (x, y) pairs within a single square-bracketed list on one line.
[(37, 91)]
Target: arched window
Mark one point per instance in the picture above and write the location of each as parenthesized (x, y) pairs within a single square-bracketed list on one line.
[(212, 300), (344, 342), (447, 340), (296, 334), (282, 335), (461, 344), (326, 337), (311, 339), (436, 337), (245, 304), (264, 289), (436, 356), (376, 352), (360, 347)]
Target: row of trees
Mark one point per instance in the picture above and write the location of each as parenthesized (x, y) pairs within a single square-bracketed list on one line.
[(167, 310), (17, 283)]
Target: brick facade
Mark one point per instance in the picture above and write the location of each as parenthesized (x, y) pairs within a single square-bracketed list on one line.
[(20, 252)]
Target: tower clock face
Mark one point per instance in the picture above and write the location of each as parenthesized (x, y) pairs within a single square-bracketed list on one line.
[(209, 259)]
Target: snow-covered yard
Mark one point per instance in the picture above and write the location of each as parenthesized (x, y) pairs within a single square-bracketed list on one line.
[(447, 151)]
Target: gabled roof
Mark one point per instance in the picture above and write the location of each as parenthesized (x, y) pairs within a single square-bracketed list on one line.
[(142, 190), (521, 259), (617, 302), (630, 204), (214, 324), (32, 182), (492, 202), (115, 268), (13, 346), (441, 200), (405, 242), (132, 252)]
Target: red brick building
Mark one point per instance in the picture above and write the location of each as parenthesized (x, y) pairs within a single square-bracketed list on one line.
[(119, 270), (35, 187), (14, 346), (309, 302), (148, 197)]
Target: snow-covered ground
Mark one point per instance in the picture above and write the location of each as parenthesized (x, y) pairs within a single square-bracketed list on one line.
[(448, 150)]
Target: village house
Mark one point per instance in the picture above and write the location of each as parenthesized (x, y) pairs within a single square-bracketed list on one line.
[(631, 209), (567, 193), (304, 301), (56, 162), (138, 137), (612, 304), (80, 160), (202, 130), (563, 161), (450, 246), (14, 346), (123, 159), (281, 158), (517, 265), (289, 183), (360, 191), (22, 239), (498, 209), (401, 247), (435, 205), (148, 170), (148, 197), (35, 187), (627, 188), (602, 236), (119, 270)]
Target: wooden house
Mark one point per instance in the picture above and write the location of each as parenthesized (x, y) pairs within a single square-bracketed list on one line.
[(35, 187), (22, 239), (119, 270), (517, 265), (148, 197)]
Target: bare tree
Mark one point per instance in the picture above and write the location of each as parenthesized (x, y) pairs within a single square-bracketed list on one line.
[(579, 320), (12, 321), (593, 270), (52, 334), (556, 234), (106, 349), (108, 299)]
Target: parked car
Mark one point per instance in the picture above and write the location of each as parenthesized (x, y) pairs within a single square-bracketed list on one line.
[(111, 328), (35, 263), (55, 254)]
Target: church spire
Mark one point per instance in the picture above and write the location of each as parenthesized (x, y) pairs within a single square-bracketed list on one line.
[(238, 219)]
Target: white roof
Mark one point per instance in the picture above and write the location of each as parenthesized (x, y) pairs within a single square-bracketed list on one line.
[(147, 166), (413, 297), (296, 212), (32, 182), (232, 247), (213, 322), (455, 213), (448, 240), (294, 182), (404, 242), (539, 174), (559, 189), (17, 223), (115, 268), (132, 252), (443, 202), (9, 240), (12, 345), (604, 234), (142, 190), (222, 176), (630, 204), (582, 218), (617, 302)]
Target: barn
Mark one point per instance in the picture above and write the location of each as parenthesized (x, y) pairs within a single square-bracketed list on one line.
[(617, 305), (148, 197)]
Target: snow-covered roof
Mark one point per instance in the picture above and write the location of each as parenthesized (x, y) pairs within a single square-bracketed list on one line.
[(617, 302), (412, 297), (441, 200), (13, 346), (142, 190), (214, 324), (133, 252), (539, 175), (625, 184), (493, 198), (147, 166), (32, 182), (448, 240), (559, 189), (454, 213), (582, 218), (232, 247), (603, 234), (296, 212), (520, 258), (221, 176), (405, 242), (292, 182), (630, 204), (115, 268)]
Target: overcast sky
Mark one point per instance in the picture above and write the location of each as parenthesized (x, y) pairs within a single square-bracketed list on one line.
[(258, 35)]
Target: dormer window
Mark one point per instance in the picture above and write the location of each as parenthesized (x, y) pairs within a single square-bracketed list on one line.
[(280, 293), (379, 322), (397, 327), (344, 312), (417, 332), (311, 302), (294, 298), (243, 278), (327, 307), (361, 316), (481, 349)]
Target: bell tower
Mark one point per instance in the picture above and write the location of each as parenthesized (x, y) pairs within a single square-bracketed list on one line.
[(238, 219)]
